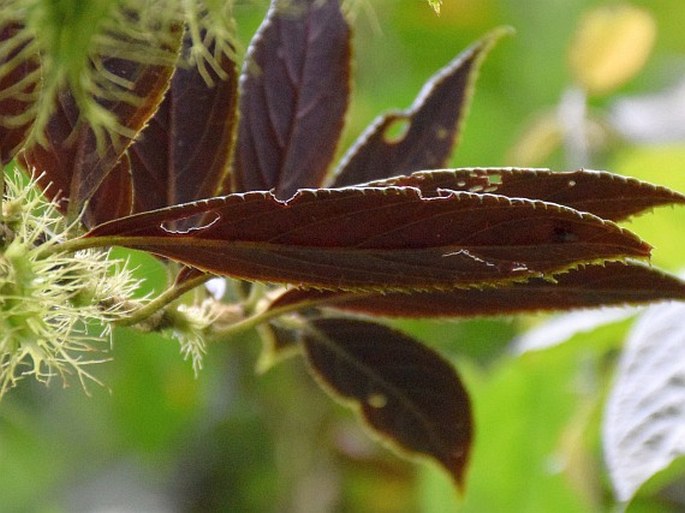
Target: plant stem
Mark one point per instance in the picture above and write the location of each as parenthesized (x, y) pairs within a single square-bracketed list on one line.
[(166, 297), (77, 244), (256, 319)]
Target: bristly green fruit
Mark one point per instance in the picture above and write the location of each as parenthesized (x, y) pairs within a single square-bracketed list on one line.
[(50, 299)]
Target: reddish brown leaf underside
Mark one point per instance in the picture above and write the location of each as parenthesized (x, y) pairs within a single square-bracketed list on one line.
[(19, 85), (604, 194), (183, 153), (294, 93), (406, 393), (390, 238), (432, 125), (114, 197), (613, 284), (73, 162)]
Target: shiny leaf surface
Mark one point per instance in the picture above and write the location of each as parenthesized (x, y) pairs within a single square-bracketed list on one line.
[(646, 408), (294, 93), (404, 391), (376, 239)]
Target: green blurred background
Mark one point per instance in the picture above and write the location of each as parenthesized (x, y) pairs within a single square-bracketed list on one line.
[(159, 440)]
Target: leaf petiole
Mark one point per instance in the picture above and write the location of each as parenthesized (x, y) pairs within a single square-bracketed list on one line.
[(226, 332), (165, 298), (77, 244)]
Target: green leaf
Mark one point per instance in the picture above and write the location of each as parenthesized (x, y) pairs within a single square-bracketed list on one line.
[(405, 392), (375, 239), (604, 194), (294, 94), (428, 130)]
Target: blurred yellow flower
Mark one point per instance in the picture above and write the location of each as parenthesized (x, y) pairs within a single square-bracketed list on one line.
[(611, 46)]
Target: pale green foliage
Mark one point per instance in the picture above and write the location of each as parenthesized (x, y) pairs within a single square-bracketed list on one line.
[(435, 4)]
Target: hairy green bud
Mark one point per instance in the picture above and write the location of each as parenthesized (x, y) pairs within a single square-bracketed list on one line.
[(56, 307)]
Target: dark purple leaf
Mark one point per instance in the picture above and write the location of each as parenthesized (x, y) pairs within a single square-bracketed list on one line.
[(19, 87), (114, 197), (431, 126), (612, 284), (390, 238), (183, 153), (72, 159), (604, 194), (404, 391), (294, 93)]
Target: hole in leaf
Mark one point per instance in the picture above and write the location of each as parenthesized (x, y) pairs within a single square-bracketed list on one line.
[(397, 130), (495, 179), (191, 224)]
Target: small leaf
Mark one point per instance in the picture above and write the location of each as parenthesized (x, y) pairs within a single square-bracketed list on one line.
[(19, 86), (645, 413), (376, 239), (614, 283), (183, 153), (604, 194), (294, 93), (406, 392), (75, 158), (433, 124)]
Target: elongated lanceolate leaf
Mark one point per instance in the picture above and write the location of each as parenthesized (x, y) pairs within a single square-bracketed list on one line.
[(19, 85), (604, 194), (390, 238), (430, 127), (183, 153), (406, 393), (294, 93), (75, 158), (645, 414), (614, 283)]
